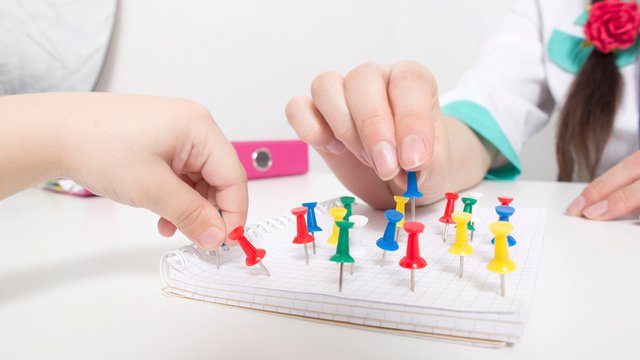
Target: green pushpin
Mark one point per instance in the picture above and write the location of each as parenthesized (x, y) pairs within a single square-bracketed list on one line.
[(468, 208), (347, 201), (342, 250)]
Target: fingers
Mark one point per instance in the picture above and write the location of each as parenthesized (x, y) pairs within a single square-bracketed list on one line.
[(365, 89), (311, 127), (617, 178), (327, 92), (621, 202), (412, 95), (186, 209)]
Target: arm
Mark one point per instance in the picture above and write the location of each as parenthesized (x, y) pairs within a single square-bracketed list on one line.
[(163, 154)]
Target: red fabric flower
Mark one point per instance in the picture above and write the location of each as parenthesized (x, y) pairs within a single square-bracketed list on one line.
[(612, 25)]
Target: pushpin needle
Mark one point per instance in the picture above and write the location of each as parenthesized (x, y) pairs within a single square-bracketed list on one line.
[(446, 233), (384, 255), (502, 287), (413, 280), (340, 281), (313, 244), (264, 268), (461, 267), (306, 254)]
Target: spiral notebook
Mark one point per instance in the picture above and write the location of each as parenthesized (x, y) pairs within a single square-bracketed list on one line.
[(443, 306)]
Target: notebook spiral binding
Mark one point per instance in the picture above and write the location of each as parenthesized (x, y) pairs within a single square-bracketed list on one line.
[(252, 231)]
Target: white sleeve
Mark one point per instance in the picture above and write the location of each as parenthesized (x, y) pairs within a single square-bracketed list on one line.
[(53, 45), (504, 98)]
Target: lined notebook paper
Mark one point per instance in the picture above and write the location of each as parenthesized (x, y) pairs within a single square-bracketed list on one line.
[(470, 308)]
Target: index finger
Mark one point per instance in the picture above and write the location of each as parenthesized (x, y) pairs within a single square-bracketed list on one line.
[(220, 167), (413, 96), (622, 174)]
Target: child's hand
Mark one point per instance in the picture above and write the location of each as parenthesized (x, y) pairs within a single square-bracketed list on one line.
[(379, 120), (614, 194), (163, 154)]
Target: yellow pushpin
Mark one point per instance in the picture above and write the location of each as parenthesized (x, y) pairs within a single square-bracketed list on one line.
[(461, 246), (401, 201), (501, 264), (338, 214)]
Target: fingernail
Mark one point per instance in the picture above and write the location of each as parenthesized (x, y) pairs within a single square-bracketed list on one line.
[(575, 208), (413, 152), (335, 147), (596, 210), (367, 158), (385, 159), (211, 238)]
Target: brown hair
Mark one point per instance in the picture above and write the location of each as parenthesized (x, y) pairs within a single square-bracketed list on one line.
[(588, 114)]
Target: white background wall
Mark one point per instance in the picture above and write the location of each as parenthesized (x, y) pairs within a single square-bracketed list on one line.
[(245, 59)]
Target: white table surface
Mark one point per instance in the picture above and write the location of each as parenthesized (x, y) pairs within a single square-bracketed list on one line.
[(79, 279)]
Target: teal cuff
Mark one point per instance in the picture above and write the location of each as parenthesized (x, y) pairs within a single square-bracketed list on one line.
[(478, 119)]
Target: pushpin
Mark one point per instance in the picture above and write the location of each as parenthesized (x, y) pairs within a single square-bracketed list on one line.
[(468, 208), (388, 242), (401, 201), (412, 192), (347, 201), (216, 253), (504, 200), (412, 260), (302, 236), (342, 250), (501, 264), (312, 223), (504, 213), (337, 214), (359, 222), (461, 246), (254, 256), (448, 209)]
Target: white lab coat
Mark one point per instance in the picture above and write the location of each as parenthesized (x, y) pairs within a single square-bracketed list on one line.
[(519, 84)]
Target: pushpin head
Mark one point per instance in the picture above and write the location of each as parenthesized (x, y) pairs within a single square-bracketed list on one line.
[(393, 215), (461, 246), (504, 212), (401, 201), (342, 250), (412, 186), (337, 214), (312, 223), (388, 242), (253, 255), (449, 207), (504, 200), (347, 201), (468, 204), (302, 236), (501, 263), (412, 259)]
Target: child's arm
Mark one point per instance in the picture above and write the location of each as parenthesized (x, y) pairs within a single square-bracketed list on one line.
[(377, 121), (163, 154)]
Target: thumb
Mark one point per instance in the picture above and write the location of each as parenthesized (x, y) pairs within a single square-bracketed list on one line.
[(184, 207)]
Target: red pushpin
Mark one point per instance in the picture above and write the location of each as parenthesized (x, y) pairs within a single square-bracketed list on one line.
[(505, 201), (303, 236), (412, 259), (448, 209), (254, 256)]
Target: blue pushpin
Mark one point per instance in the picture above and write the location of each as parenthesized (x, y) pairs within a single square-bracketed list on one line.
[(312, 223), (504, 213), (412, 192), (388, 240)]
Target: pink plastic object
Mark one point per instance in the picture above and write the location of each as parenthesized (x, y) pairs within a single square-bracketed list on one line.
[(263, 159)]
